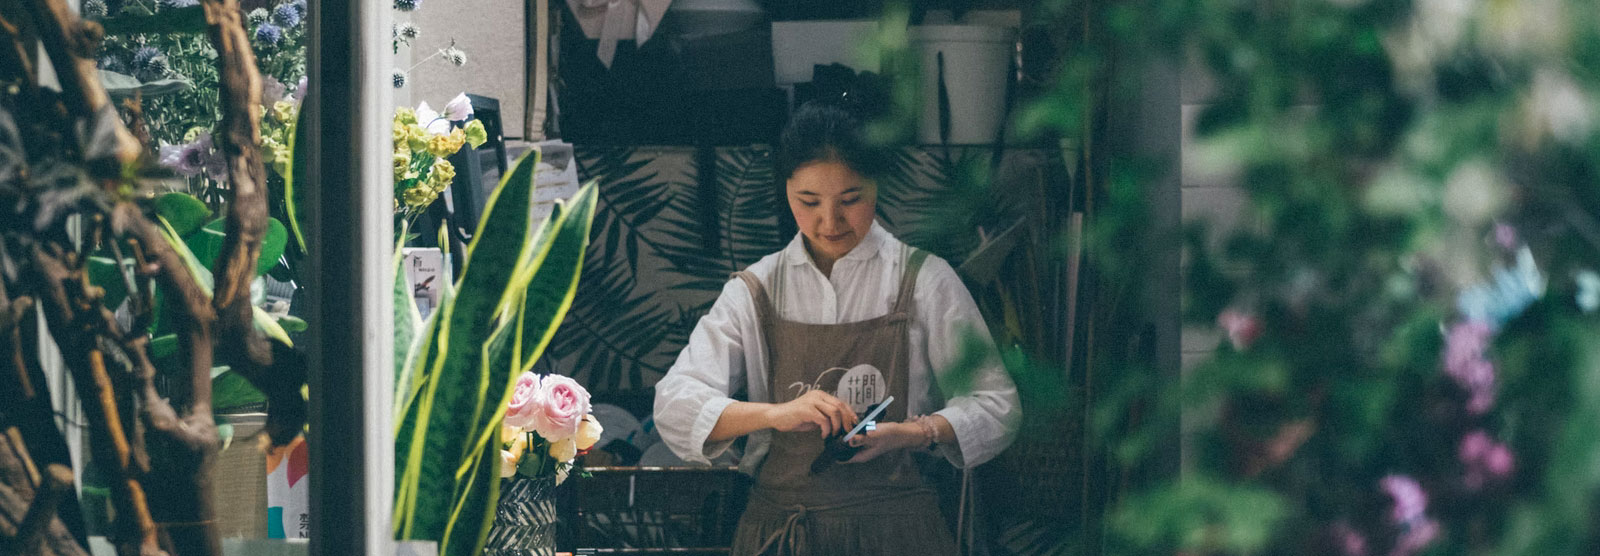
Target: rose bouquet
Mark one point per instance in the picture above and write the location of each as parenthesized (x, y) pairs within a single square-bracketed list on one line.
[(547, 425)]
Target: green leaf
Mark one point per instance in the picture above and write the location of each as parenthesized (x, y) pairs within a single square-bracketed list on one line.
[(272, 246), (553, 281), (202, 274), (163, 346), (293, 325), (183, 211), (472, 514), (268, 325), (107, 274), (230, 390), (207, 243), (433, 442), (296, 175)]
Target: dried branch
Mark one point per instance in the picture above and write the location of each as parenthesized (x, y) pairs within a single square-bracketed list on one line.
[(56, 483), (247, 212), (70, 43), (72, 316)]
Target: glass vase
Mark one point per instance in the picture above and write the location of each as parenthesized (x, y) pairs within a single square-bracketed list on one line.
[(525, 518)]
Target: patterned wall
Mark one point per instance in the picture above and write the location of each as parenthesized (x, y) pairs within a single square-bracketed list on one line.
[(664, 243)]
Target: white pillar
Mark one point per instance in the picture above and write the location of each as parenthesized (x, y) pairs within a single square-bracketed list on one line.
[(349, 202)]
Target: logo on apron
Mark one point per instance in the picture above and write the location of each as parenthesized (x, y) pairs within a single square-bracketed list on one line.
[(861, 386)]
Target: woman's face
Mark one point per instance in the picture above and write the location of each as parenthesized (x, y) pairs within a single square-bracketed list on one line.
[(833, 206)]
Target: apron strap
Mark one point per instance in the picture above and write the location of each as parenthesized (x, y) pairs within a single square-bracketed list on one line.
[(908, 280), (766, 313), (789, 539)]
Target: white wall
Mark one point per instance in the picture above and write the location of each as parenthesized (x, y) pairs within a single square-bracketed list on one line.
[(492, 34)]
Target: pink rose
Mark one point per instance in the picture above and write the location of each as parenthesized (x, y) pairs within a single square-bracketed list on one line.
[(525, 401), (563, 403), (1243, 328)]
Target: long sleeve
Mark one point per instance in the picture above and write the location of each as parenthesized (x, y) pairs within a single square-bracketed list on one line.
[(981, 403), (699, 386)]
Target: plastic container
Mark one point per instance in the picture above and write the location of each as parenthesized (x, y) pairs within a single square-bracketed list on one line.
[(977, 62)]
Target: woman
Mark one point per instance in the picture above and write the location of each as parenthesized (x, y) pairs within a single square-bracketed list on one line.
[(814, 335)]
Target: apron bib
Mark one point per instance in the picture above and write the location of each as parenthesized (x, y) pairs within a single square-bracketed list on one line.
[(883, 506)]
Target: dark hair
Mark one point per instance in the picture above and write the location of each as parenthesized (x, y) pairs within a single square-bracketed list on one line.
[(826, 131)]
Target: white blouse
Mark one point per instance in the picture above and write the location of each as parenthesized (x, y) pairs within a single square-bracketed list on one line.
[(726, 348)]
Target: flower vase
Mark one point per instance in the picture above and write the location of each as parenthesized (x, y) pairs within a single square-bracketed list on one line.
[(525, 518)]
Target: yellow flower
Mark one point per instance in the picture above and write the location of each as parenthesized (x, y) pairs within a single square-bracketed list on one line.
[(269, 149), (285, 111), (519, 444), (405, 116), (444, 145), (400, 135), (418, 197), (443, 173), (588, 432), (402, 164), (564, 450), (281, 157), (476, 135), (416, 137)]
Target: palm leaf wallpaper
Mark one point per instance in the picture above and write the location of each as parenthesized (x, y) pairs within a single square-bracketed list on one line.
[(666, 239)]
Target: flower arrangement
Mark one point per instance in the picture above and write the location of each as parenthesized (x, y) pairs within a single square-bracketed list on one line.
[(547, 425), (423, 140)]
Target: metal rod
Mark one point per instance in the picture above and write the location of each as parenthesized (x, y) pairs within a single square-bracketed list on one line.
[(351, 341)]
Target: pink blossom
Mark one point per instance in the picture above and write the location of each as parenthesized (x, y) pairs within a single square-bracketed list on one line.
[(525, 402), (1505, 236), (1498, 461), (1416, 537), (1349, 540), (1409, 499), (1243, 328), (1464, 361), (563, 403)]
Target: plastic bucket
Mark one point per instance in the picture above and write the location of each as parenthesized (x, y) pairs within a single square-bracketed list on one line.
[(976, 60)]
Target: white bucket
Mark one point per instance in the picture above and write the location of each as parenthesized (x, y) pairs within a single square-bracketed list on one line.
[(976, 61)]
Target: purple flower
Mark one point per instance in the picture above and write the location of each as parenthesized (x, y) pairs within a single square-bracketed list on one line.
[(268, 33), (196, 157), (272, 90), (407, 5), (286, 15), (144, 56), (300, 90), (1409, 499), (1464, 361)]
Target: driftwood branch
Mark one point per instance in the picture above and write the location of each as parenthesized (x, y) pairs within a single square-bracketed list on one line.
[(70, 43), (247, 211), (75, 320), (272, 368)]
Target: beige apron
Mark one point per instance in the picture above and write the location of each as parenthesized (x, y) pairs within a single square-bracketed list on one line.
[(883, 506)]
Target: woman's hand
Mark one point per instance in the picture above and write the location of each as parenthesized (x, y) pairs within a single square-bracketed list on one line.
[(887, 438), (814, 410)]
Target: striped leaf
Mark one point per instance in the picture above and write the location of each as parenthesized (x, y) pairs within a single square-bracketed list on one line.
[(438, 425)]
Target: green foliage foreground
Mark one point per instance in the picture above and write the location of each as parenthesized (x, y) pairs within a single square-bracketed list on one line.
[(1412, 363)]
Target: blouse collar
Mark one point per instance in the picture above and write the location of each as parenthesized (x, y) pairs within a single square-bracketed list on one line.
[(795, 253)]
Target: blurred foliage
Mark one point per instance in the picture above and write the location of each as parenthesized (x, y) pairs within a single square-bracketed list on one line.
[(1398, 158)]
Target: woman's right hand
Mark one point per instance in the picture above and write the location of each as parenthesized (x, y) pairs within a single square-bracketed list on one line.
[(814, 410)]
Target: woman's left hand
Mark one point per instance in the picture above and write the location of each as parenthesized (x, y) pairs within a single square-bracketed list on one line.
[(887, 438)]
